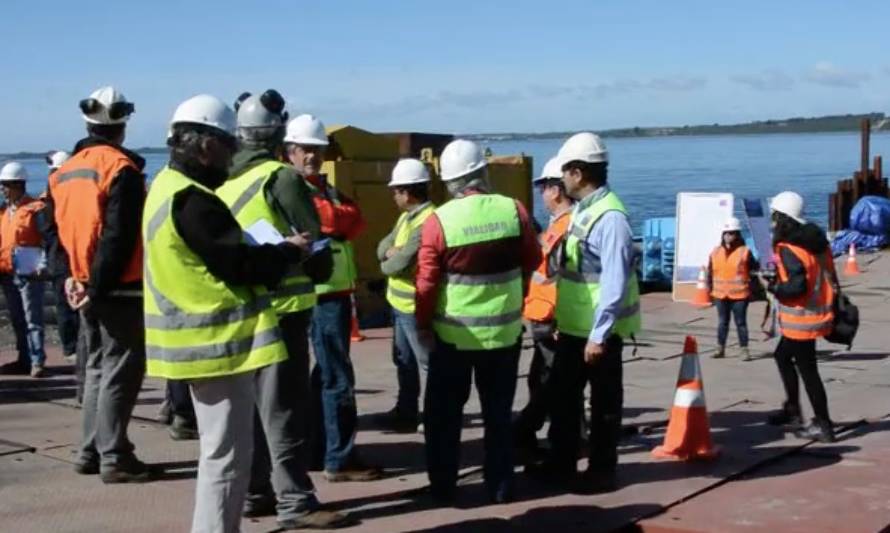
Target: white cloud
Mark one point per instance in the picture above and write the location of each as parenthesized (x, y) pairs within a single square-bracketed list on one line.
[(766, 80), (827, 74)]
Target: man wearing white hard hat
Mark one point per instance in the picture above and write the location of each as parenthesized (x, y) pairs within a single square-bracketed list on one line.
[(538, 310), (729, 273), (805, 287), (22, 263), (263, 190), (333, 377), (397, 254), (97, 197), (208, 315), (597, 308), (477, 251)]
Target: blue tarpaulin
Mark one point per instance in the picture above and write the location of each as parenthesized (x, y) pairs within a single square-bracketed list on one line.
[(869, 227), (863, 241)]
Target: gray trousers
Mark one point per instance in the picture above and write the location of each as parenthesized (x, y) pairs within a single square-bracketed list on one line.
[(115, 341), (282, 400), (224, 410)]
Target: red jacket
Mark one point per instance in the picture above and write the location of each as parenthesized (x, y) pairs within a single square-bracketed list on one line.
[(343, 220), (498, 256)]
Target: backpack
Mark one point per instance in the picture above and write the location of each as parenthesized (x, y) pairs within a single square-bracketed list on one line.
[(846, 321)]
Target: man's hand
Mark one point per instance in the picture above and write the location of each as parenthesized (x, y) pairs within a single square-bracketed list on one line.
[(592, 352), (392, 251), (76, 294), (300, 240)]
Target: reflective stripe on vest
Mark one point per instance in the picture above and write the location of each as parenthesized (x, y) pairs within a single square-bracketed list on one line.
[(196, 325), (811, 315), (540, 302), (578, 290), (479, 311), (245, 196), (344, 273), (400, 289), (79, 189), (729, 274)]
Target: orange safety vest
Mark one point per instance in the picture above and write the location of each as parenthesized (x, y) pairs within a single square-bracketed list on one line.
[(540, 302), (811, 315), (79, 189), (18, 228), (730, 277)]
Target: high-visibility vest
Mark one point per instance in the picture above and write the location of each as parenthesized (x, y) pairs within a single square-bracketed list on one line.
[(196, 325), (245, 196), (400, 288), (344, 273), (540, 302), (79, 189), (578, 289), (18, 227), (479, 311), (730, 277), (810, 315)]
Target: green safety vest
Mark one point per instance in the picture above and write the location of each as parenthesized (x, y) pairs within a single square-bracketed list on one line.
[(577, 291), (479, 311), (344, 273), (196, 325), (400, 287), (245, 196)]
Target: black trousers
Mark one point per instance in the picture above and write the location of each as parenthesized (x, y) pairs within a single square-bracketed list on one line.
[(570, 376), (540, 391), (795, 357), (181, 400)]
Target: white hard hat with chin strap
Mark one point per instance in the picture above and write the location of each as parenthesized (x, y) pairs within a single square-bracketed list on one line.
[(208, 111), (106, 105), (306, 130), (586, 147), (460, 158), (409, 172), (261, 111), (552, 171), (789, 203)]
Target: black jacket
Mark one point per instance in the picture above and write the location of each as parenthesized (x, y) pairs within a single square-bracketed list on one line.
[(211, 231), (809, 237)]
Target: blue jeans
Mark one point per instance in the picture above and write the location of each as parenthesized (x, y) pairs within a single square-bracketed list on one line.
[(333, 382), (409, 356), (739, 311), (451, 372), (24, 299)]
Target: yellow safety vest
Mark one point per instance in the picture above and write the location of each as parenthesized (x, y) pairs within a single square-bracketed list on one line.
[(400, 289)]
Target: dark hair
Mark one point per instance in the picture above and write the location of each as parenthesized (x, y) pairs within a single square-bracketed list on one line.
[(590, 172), (186, 141), (418, 191), (785, 227), (108, 132), (554, 182)]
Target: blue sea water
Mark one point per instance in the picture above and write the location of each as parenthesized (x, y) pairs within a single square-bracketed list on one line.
[(649, 172)]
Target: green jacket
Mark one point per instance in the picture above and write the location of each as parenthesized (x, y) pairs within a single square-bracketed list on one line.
[(404, 259)]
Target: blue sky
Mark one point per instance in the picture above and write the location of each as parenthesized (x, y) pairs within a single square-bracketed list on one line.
[(453, 66)]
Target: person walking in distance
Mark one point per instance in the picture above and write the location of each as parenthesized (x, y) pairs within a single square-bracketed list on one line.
[(476, 253), (98, 196), (729, 273), (805, 287), (397, 253)]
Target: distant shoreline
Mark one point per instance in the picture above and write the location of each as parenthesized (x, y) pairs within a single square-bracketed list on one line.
[(827, 124)]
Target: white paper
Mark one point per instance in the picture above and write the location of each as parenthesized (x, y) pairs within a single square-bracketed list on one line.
[(28, 260), (263, 232), (700, 218)]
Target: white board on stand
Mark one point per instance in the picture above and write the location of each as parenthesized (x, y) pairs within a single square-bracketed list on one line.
[(700, 218)]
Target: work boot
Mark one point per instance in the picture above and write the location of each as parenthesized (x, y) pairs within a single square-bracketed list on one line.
[(720, 353), (183, 429), (396, 421), (356, 470), (131, 471), (745, 353), (596, 482), (165, 413), (318, 519), (820, 430), (259, 506), (37, 371), (788, 416), (87, 467)]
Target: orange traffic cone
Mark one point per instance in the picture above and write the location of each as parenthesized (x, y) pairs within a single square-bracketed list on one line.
[(355, 335), (702, 296), (852, 267), (689, 432)]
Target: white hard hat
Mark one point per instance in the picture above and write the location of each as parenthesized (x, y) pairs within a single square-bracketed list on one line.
[(206, 110), (57, 159), (306, 130), (261, 111), (106, 105), (409, 172), (584, 146), (789, 203), (552, 171), (13, 171), (732, 224), (459, 158)]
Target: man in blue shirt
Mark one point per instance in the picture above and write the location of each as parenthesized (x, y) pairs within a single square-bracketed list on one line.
[(597, 308)]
